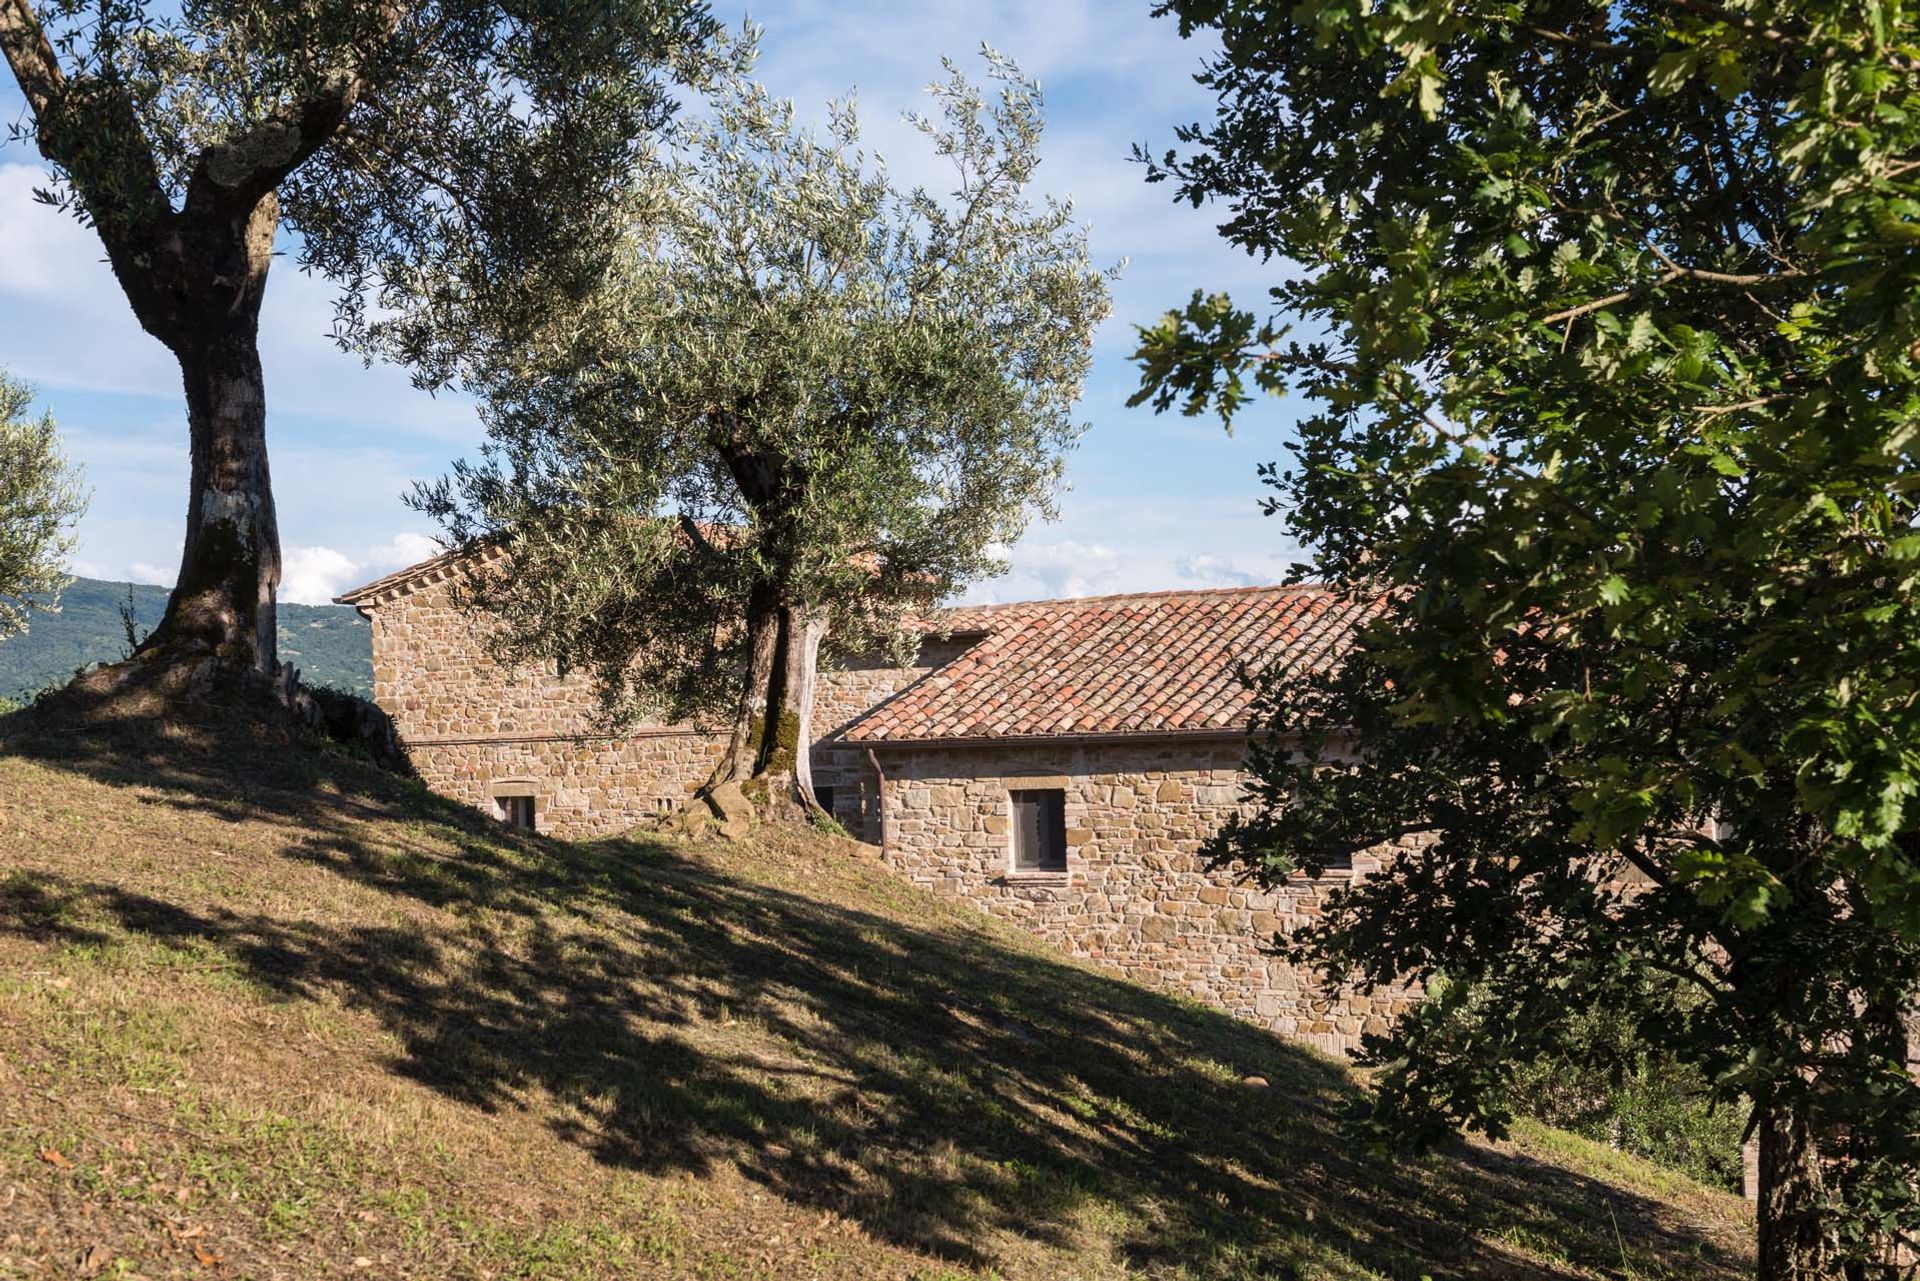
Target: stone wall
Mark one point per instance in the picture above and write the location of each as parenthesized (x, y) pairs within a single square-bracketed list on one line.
[(847, 688), (582, 787), (1137, 894), (479, 732)]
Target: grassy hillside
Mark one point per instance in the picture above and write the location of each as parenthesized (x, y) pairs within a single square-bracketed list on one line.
[(265, 1013), (330, 644)]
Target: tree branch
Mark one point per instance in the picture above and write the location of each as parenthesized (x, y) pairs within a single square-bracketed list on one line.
[(1600, 304), (1723, 277), (1674, 272), (245, 169), (697, 536), (89, 129), (1714, 411), (31, 57), (1720, 13)]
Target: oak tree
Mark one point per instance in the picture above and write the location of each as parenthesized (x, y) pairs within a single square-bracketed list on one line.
[(1609, 319)]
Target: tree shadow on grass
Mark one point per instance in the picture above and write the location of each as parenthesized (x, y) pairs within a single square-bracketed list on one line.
[(946, 1089)]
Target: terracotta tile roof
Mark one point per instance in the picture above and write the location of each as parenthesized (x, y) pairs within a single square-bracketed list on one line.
[(1160, 662)]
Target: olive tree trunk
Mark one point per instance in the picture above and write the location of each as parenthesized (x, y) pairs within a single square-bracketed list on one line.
[(771, 743), (196, 280), (223, 602)]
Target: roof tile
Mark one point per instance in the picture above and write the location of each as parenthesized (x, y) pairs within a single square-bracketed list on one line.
[(1116, 664)]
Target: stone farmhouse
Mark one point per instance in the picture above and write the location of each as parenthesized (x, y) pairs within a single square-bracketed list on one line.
[(1056, 763)]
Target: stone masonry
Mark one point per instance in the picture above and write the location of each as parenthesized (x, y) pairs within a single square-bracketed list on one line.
[(1136, 894)]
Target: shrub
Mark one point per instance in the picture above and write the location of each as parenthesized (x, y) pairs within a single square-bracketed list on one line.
[(1631, 1096)]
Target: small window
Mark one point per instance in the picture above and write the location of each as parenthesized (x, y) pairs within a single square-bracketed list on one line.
[(1040, 830), (824, 795), (518, 811)]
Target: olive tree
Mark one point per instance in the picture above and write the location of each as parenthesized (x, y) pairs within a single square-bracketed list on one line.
[(806, 402), (379, 135), (1611, 344), (40, 500)]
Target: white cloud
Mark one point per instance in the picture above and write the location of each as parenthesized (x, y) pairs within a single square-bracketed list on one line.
[(1139, 544), (315, 575), (1213, 571), (63, 320), (44, 245), (1069, 568), (401, 550), (141, 571)]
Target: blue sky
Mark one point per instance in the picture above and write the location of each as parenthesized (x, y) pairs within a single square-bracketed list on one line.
[(1152, 501)]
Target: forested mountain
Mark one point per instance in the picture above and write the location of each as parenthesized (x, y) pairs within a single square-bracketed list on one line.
[(330, 644)]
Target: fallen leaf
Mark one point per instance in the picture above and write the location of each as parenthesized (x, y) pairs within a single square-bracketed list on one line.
[(363, 1262), (54, 1159), (207, 1257), (96, 1259)]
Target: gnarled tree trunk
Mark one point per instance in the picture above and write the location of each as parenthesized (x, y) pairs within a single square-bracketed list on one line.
[(197, 286), (770, 749), (223, 604), (741, 760)]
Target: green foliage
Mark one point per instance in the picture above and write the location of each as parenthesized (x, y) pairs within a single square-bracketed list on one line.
[(391, 134), (798, 385), (1605, 1083), (1608, 324), (376, 138), (41, 499), (331, 645), (827, 825), (1654, 1108)]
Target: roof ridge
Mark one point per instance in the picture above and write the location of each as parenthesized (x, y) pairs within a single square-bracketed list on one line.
[(1156, 593)]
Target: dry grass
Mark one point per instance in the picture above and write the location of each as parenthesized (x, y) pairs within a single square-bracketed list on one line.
[(265, 1012)]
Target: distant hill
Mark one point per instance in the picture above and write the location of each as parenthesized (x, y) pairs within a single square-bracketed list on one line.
[(330, 644)]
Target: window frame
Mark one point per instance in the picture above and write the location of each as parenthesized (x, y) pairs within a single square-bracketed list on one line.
[(1050, 821), (511, 806)]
